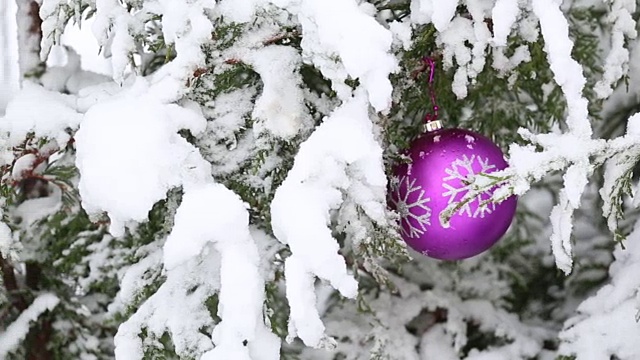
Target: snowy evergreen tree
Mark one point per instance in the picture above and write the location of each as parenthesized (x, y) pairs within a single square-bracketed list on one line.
[(222, 194)]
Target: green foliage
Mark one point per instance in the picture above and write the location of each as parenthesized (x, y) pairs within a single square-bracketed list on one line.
[(62, 243)]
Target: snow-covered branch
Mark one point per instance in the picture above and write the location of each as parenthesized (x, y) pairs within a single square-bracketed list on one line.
[(11, 337), (607, 323), (341, 28), (127, 179), (340, 153), (617, 62)]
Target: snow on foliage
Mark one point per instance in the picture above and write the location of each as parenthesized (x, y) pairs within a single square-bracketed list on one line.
[(504, 15), (215, 214), (617, 63), (384, 331), (280, 108), (607, 323), (114, 28), (187, 28), (151, 158), (56, 113), (208, 215), (339, 154), (570, 151), (54, 15), (143, 140), (340, 28), (11, 337)]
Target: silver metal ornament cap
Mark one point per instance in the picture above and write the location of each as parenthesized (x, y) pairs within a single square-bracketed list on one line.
[(433, 125)]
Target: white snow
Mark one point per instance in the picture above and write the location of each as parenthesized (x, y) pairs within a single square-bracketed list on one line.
[(421, 11), (22, 165), (443, 12), (70, 77), (606, 322), (187, 27), (567, 72), (280, 109), (402, 33), (11, 337), (504, 15), (454, 39), (340, 28), (214, 214), (8, 53), (617, 62), (209, 218), (113, 27), (33, 210), (130, 154), (313, 188), (506, 65), (238, 11), (56, 112), (53, 14), (177, 307), (617, 166), (6, 240)]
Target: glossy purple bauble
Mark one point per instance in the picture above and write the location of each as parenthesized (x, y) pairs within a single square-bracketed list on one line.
[(442, 163)]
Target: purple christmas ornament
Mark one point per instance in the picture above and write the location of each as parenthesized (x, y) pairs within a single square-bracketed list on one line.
[(442, 163)]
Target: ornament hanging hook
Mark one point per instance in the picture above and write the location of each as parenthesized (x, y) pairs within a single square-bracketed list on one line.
[(431, 63)]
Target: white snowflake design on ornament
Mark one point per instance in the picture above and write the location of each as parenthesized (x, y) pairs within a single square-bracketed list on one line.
[(461, 173), (404, 207)]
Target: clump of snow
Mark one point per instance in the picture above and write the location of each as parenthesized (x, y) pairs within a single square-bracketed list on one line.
[(617, 62), (54, 15), (33, 210), (129, 154), (616, 169), (70, 78), (239, 12), (504, 15), (187, 27), (198, 222), (214, 214), (280, 109), (606, 324), (210, 251), (91, 95), (22, 165), (454, 38), (343, 145), (443, 12), (177, 307), (54, 114), (340, 28), (114, 28), (13, 335), (421, 11), (567, 72), (504, 64), (402, 33)]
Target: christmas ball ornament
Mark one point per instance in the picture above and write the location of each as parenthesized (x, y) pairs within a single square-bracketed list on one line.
[(442, 167)]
